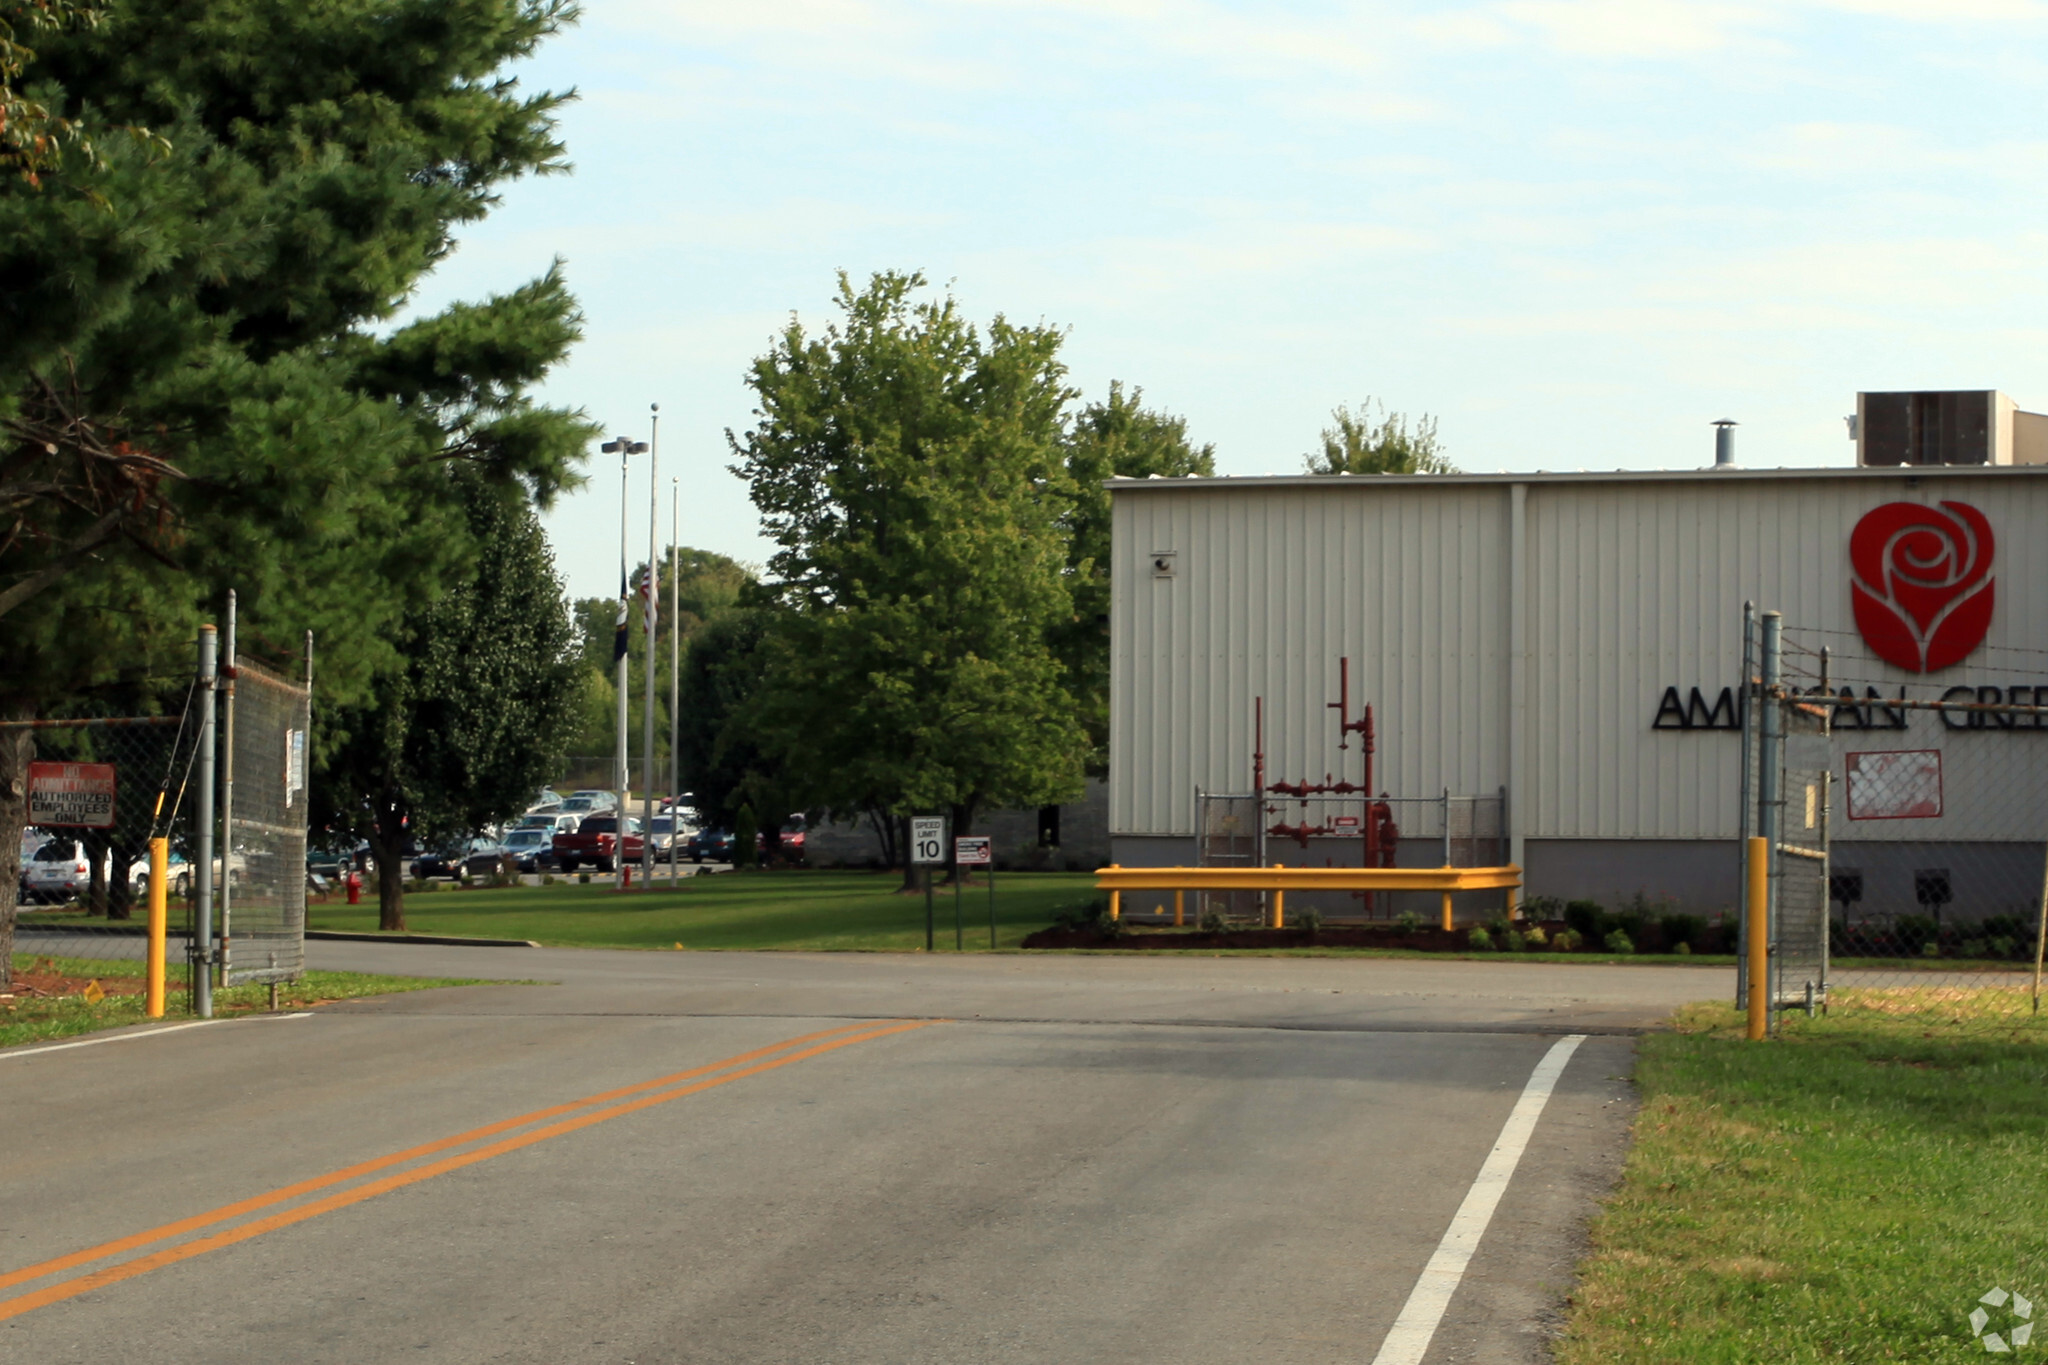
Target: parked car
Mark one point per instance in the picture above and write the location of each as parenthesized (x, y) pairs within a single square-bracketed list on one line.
[(56, 872), (548, 799), (589, 801), (453, 860), (178, 874), (709, 846), (790, 842), (665, 831), (532, 849), (596, 842)]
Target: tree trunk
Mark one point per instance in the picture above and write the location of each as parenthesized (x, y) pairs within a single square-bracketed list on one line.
[(884, 826), (17, 747), (120, 890), (98, 843), (387, 844), (910, 881)]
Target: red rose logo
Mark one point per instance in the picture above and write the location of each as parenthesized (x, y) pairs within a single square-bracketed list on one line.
[(1923, 586)]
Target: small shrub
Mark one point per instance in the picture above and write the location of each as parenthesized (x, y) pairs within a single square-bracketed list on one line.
[(1543, 907), (1911, 932), (1498, 926), (1307, 920), (1515, 941), (1408, 922), (1930, 949), (547, 879), (1212, 920), (583, 878), (1535, 937), (1567, 940), (1972, 947), (1677, 929), (1618, 942), (2002, 947), (1682, 948), (2005, 926), (1591, 921), (1479, 941)]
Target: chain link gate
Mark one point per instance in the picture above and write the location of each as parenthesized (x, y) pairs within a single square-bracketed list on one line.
[(1799, 861), (263, 895)]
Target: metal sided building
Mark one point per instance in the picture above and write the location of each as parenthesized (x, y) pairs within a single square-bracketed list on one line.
[(1575, 641)]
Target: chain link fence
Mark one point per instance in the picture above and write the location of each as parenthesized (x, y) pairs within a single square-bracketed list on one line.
[(100, 789), (1910, 833)]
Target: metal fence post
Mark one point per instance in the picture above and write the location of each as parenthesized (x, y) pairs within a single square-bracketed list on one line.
[(201, 954), (1770, 780), (1447, 826), (1746, 699), (227, 790)]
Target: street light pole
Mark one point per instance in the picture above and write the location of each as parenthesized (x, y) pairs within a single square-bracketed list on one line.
[(652, 585), (675, 675), (622, 448)]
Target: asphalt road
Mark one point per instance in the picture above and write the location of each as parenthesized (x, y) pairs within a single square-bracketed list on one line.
[(841, 1158)]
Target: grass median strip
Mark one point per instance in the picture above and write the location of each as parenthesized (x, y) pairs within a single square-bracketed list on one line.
[(617, 1102), (48, 1004), (1847, 1192), (788, 909)]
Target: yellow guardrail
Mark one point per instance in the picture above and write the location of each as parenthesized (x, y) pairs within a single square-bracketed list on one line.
[(1280, 880)]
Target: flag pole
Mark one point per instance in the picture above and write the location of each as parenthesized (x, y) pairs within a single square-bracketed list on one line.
[(650, 587)]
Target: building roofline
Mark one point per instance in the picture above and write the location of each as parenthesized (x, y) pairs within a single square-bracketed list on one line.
[(1553, 476)]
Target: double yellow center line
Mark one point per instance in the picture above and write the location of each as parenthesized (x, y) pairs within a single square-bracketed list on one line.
[(569, 1117)]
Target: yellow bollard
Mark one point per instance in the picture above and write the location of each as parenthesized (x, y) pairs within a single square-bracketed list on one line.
[(159, 892), (1115, 905), (1758, 927), (1448, 926), (1179, 908), (1279, 909)]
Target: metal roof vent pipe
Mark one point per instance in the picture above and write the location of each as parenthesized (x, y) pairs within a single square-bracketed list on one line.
[(1724, 444)]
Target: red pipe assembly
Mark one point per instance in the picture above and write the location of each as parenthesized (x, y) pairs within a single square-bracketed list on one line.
[(1381, 835)]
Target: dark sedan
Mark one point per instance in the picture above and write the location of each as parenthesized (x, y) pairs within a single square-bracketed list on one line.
[(709, 846), (476, 857)]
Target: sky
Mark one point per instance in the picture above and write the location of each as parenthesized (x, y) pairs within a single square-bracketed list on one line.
[(1573, 231)]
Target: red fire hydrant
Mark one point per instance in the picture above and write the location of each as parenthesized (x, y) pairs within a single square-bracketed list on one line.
[(355, 887)]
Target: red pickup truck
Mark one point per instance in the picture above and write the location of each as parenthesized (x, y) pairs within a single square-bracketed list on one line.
[(595, 842)]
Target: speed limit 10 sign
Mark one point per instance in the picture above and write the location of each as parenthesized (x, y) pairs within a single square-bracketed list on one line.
[(927, 838)]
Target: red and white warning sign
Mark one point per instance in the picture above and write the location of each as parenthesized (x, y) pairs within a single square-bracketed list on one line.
[(974, 850), (71, 794)]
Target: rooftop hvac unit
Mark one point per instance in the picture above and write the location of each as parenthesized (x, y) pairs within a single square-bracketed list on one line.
[(1947, 427)]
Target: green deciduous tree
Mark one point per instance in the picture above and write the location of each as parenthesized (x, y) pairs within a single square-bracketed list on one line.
[(909, 467), (200, 386), (473, 723), (1357, 443), (1117, 438)]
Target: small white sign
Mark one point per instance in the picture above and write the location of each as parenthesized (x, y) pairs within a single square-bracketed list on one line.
[(1898, 785), (974, 850), (927, 838)]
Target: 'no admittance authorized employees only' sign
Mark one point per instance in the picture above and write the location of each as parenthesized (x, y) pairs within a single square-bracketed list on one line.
[(71, 794)]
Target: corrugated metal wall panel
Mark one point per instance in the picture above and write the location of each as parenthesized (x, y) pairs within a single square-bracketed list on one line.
[(1630, 586)]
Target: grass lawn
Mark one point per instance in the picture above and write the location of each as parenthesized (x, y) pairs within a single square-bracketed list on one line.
[(794, 909), (40, 1018), (1846, 1192)]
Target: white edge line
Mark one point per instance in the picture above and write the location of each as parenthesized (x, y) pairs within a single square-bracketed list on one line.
[(1410, 1335), (11, 1055)]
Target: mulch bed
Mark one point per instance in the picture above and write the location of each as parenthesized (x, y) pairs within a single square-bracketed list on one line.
[(1426, 940), (40, 982), (1430, 940)]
